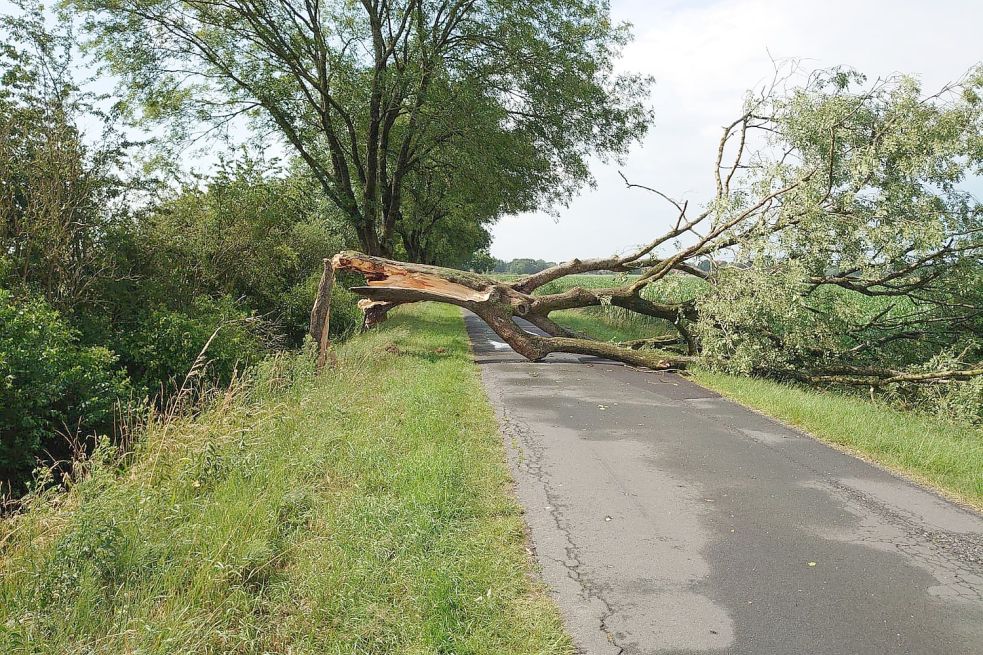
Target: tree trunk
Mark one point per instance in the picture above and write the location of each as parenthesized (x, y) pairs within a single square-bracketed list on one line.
[(390, 283)]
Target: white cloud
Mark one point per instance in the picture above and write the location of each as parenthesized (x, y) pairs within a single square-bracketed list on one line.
[(704, 56)]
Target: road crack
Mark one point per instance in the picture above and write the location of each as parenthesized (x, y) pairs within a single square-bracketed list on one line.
[(529, 456)]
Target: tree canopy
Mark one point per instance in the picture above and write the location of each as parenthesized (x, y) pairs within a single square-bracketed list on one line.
[(390, 102)]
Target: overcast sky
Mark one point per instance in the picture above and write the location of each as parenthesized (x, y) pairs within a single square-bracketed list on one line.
[(704, 55)]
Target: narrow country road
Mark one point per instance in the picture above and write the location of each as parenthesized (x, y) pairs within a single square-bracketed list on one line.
[(666, 519)]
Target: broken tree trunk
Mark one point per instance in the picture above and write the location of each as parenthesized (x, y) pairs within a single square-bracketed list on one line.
[(321, 314), (390, 282)]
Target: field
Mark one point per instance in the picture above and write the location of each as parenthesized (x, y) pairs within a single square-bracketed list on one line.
[(947, 455), (367, 510), (610, 323)]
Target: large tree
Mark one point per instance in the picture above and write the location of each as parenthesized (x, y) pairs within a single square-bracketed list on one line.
[(841, 243), (367, 93)]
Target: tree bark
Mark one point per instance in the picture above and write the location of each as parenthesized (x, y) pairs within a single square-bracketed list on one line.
[(390, 283)]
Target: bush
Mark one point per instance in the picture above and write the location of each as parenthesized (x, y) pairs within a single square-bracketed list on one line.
[(49, 385), (952, 401), (163, 346), (345, 318), (252, 234)]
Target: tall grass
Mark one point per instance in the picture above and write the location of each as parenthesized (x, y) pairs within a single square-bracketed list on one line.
[(363, 511)]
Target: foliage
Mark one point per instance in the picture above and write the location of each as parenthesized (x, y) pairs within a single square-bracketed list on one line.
[(480, 261), (875, 260), (51, 386), (746, 302), (162, 348), (961, 401), (345, 319), (397, 106), (447, 238), (249, 232), (841, 246), (526, 266), (141, 274), (58, 196)]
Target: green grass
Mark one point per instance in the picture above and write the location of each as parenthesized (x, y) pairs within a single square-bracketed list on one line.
[(365, 511), (947, 455), (601, 324), (610, 323)]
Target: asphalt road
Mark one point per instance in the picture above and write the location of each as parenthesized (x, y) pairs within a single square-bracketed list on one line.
[(666, 519)]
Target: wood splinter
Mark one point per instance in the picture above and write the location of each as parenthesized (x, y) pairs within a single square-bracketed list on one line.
[(321, 315)]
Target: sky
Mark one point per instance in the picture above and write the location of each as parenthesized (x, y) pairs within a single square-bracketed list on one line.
[(704, 56)]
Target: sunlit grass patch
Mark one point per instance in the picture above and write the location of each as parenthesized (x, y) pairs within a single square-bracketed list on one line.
[(604, 325), (612, 323)]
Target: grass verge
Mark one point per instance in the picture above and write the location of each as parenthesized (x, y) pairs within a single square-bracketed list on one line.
[(943, 454), (946, 455), (365, 511)]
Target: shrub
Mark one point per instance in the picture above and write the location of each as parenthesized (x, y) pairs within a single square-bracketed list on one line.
[(49, 385), (251, 234), (164, 344), (92, 553), (345, 319)]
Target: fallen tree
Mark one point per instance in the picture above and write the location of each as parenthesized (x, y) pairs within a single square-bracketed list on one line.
[(390, 283), (837, 247)]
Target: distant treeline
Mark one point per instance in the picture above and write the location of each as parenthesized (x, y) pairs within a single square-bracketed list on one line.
[(520, 266), (482, 262)]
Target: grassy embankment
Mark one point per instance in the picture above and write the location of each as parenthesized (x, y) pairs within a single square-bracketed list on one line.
[(365, 511), (947, 455)]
